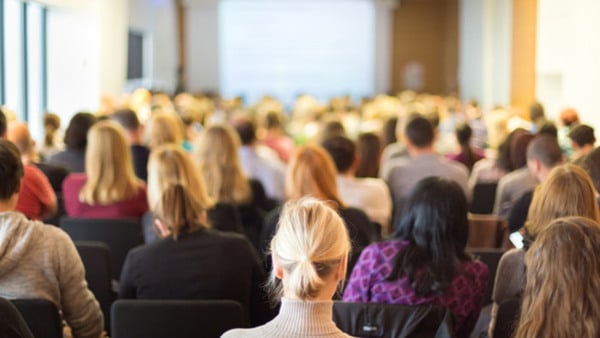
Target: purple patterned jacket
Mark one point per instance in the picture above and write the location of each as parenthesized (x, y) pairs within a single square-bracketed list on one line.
[(367, 283)]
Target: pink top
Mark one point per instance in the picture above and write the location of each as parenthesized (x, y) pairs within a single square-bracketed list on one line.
[(282, 145), (134, 207), (36, 195)]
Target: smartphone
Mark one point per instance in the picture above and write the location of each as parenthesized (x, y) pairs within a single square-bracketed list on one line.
[(516, 239)]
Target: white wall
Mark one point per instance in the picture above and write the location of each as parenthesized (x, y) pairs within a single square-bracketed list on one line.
[(568, 55), (485, 45)]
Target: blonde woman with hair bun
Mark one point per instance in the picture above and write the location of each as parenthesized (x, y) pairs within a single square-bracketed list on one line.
[(310, 251), (109, 187)]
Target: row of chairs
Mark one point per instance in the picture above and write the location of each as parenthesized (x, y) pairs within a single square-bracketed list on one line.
[(211, 318)]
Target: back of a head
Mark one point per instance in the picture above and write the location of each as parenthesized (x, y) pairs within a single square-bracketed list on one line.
[(179, 210), (163, 128), (18, 133), (536, 111), (127, 118), (273, 120), (3, 123), (569, 117), (245, 129), (582, 135), (342, 151), (463, 133), (168, 165), (368, 146), (108, 165), (563, 264), (311, 172), (419, 131), (77, 131), (11, 169), (434, 222), (518, 148), (567, 191), (548, 128), (545, 149), (331, 127), (310, 244), (591, 164)]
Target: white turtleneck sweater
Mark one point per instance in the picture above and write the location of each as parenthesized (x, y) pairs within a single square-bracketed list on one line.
[(296, 318)]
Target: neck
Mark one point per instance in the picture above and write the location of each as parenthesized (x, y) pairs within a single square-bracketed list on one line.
[(8, 205), (415, 151)]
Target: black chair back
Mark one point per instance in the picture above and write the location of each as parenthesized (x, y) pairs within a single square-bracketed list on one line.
[(489, 257), (41, 316), (12, 324), (174, 318), (507, 318), (120, 235), (393, 320), (484, 195), (96, 261)]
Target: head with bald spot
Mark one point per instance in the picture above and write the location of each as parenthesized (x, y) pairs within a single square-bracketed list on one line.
[(18, 133)]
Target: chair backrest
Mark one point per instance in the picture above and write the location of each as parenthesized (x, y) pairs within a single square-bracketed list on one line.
[(60, 211), (393, 320), (96, 261), (174, 318), (41, 316), (507, 318), (12, 323), (487, 232), (489, 257), (120, 235), (484, 195)]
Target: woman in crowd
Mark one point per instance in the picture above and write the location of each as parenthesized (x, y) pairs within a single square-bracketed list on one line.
[(568, 191), (109, 187), (163, 128), (73, 157), (467, 155), (311, 172), (310, 252), (563, 274), (369, 150), (216, 152), (426, 262), (169, 164), (192, 261)]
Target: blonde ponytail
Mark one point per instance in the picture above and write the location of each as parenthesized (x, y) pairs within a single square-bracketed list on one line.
[(310, 244)]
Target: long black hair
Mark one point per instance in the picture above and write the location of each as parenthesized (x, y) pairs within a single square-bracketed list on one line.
[(434, 222)]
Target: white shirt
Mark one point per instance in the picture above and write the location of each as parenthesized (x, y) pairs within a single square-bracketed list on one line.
[(269, 170), (371, 195)]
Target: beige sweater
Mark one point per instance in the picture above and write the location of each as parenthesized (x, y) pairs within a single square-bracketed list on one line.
[(41, 261), (296, 318)]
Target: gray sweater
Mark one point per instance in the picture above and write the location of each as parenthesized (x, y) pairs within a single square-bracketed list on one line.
[(41, 261), (296, 318)]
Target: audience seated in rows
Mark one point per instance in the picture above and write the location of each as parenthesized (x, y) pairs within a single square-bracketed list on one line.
[(169, 164), (422, 162), (109, 187), (73, 157), (563, 268), (543, 154), (568, 191), (310, 251), (37, 199), (259, 162), (193, 261), (370, 195), (128, 119), (40, 261), (426, 262)]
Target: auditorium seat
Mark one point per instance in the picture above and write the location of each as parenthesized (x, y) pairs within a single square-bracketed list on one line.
[(174, 318), (487, 232), (41, 316)]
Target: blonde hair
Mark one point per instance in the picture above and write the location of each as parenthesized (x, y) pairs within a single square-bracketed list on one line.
[(169, 164), (216, 154), (310, 243), (163, 128), (108, 166), (312, 172), (180, 211), (561, 296), (568, 191)]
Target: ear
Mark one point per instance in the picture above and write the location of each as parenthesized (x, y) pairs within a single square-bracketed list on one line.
[(163, 231), (341, 270), (278, 270)]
